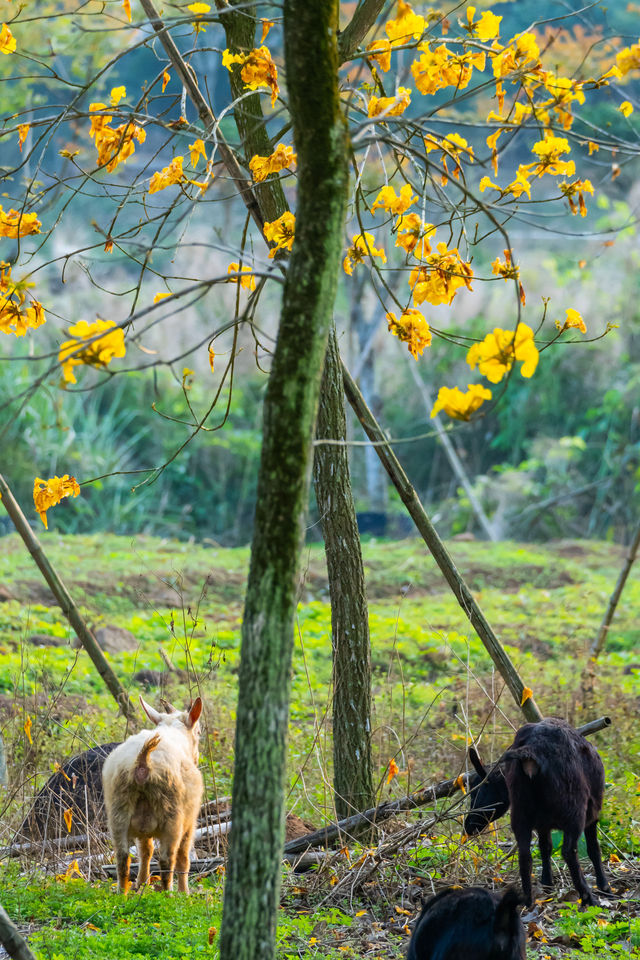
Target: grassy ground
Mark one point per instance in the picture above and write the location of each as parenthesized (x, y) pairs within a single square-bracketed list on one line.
[(433, 688)]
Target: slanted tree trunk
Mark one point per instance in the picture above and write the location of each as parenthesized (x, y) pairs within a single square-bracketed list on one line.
[(352, 765), (290, 408)]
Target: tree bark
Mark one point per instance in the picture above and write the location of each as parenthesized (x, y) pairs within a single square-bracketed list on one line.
[(600, 641), (15, 945), (290, 409), (352, 763)]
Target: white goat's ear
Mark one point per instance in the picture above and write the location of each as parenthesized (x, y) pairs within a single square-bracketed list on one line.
[(153, 715), (194, 712)]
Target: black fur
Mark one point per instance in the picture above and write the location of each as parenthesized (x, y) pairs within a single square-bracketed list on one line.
[(77, 786), (552, 778), (470, 924)]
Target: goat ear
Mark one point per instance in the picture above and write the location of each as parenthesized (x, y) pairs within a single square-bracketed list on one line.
[(194, 712), (506, 910), (153, 715), (476, 763)]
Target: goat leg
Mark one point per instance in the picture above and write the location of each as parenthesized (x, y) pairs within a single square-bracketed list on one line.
[(570, 854), (123, 862), (593, 849), (544, 843), (145, 851), (523, 837), (167, 860), (182, 863)]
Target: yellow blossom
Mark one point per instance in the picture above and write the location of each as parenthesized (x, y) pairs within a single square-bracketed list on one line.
[(441, 278), (626, 108), (520, 52), (413, 234), (166, 77), (117, 94), (16, 224), (486, 28), (548, 152), (258, 69), (199, 8), (114, 145), (412, 329), (577, 188), (83, 349), (394, 770), (281, 232), (508, 271), (574, 319), (197, 150), (407, 25), (48, 493), (499, 350), (247, 279), (453, 146), (390, 106), (439, 68), (380, 51), (460, 405), (266, 27), (362, 246), (7, 40), (626, 59), (161, 296), (281, 158), (126, 6), (168, 176), (390, 201)]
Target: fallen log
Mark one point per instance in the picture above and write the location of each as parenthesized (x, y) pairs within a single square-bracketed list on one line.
[(376, 815)]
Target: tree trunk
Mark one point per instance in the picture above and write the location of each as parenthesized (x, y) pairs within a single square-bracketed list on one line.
[(352, 765), (290, 408)]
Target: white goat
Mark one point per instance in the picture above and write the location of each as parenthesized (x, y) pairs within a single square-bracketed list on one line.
[(155, 796)]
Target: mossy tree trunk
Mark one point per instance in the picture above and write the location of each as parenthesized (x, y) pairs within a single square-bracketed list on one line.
[(290, 409), (353, 775), (352, 766)]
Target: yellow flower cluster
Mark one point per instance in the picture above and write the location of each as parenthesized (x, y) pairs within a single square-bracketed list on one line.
[(362, 246), (501, 349), (411, 328), (413, 234), (460, 405), (258, 69), (392, 202), (7, 40), (114, 144), (439, 281), (247, 279), (452, 146), (15, 224), (406, 27), (83, 349), (14, 317), (627, 59), (281, 232), (390, 106), (522, 51), (577, 189), (440, 68), (508, 271), (574, 319), (168, 176), (48, 493), (281, 158)]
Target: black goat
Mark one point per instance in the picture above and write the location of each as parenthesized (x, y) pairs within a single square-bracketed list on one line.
[(470, 924), (552, 778), (76, 786)]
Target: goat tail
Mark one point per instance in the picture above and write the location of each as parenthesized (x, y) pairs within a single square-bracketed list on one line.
[(141, 770), (527, 758)]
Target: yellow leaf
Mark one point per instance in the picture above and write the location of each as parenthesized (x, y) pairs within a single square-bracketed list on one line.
[(69, 154), (460, 783), (614, 858), (212, 357), (527, 694), (166, 76), (361, 913), (48, 493), (23, 131), (266, 26), (27, 729), (394, 769), (68, 818), (160, 296), (126, 6)]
